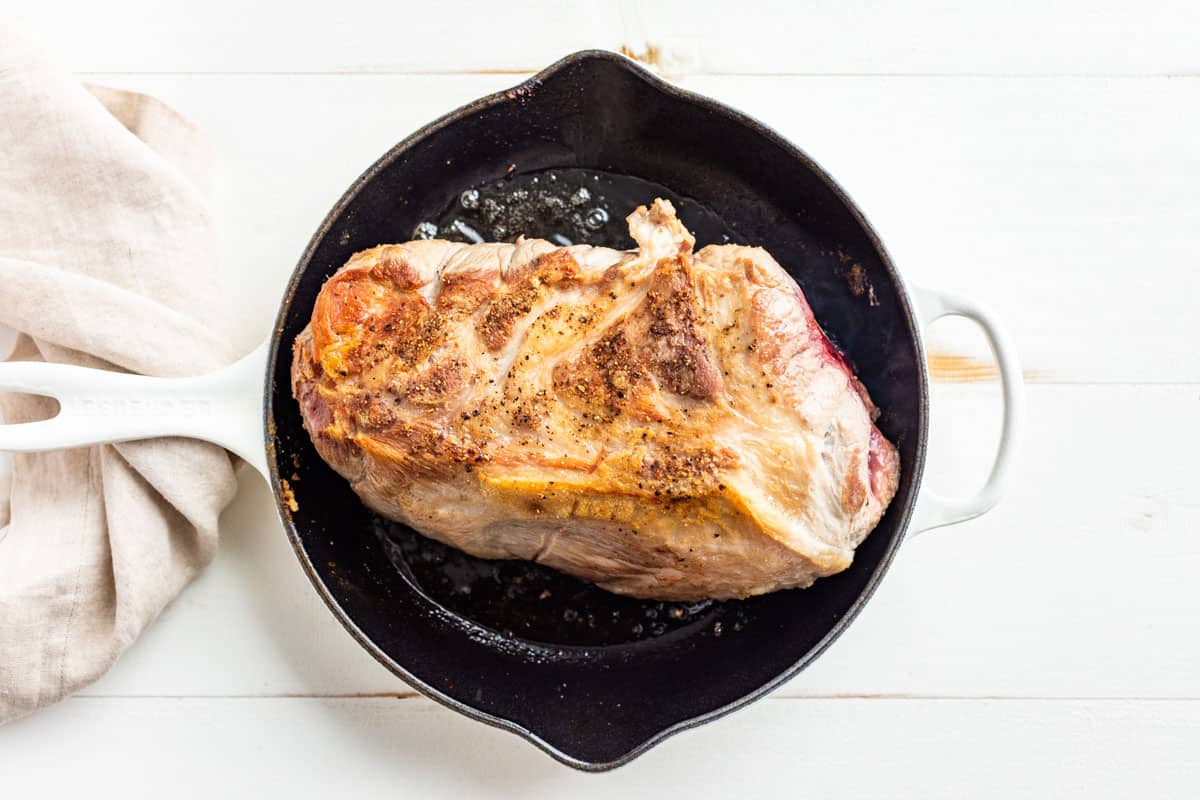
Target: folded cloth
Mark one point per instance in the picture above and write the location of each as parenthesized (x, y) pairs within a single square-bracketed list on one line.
[(107, 259)]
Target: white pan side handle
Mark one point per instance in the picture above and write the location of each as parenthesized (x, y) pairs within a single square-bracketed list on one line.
[(100, 407), (933, 510)]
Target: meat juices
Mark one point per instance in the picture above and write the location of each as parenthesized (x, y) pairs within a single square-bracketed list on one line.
[(666, 424)]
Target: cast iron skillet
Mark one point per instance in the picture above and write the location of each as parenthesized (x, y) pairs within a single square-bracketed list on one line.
[(591, 678)]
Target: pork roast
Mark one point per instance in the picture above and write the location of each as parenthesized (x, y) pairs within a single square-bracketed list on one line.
[(665, 423)]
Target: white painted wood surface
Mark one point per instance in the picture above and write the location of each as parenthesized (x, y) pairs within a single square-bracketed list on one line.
[(381, 747), (1040, 157), (818, 37)]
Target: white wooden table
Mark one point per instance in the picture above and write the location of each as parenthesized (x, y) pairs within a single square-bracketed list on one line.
[(1044, 158)]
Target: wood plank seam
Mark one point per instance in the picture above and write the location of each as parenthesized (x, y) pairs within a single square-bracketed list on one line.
[(673, 76), (411, 695)]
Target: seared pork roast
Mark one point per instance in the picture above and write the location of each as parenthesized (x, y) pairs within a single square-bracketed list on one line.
[(667, 424)]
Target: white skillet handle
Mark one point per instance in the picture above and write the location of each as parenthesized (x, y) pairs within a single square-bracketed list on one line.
[(934, 510), (99, 407)]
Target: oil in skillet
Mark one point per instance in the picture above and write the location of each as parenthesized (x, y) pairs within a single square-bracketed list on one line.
[(564, 206), (529, 601), (519, 598)]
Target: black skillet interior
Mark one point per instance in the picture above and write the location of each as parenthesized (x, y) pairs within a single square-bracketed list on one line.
[(592, 678)]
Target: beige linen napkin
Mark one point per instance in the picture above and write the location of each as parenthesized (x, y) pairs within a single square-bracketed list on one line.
[(106, 260)]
